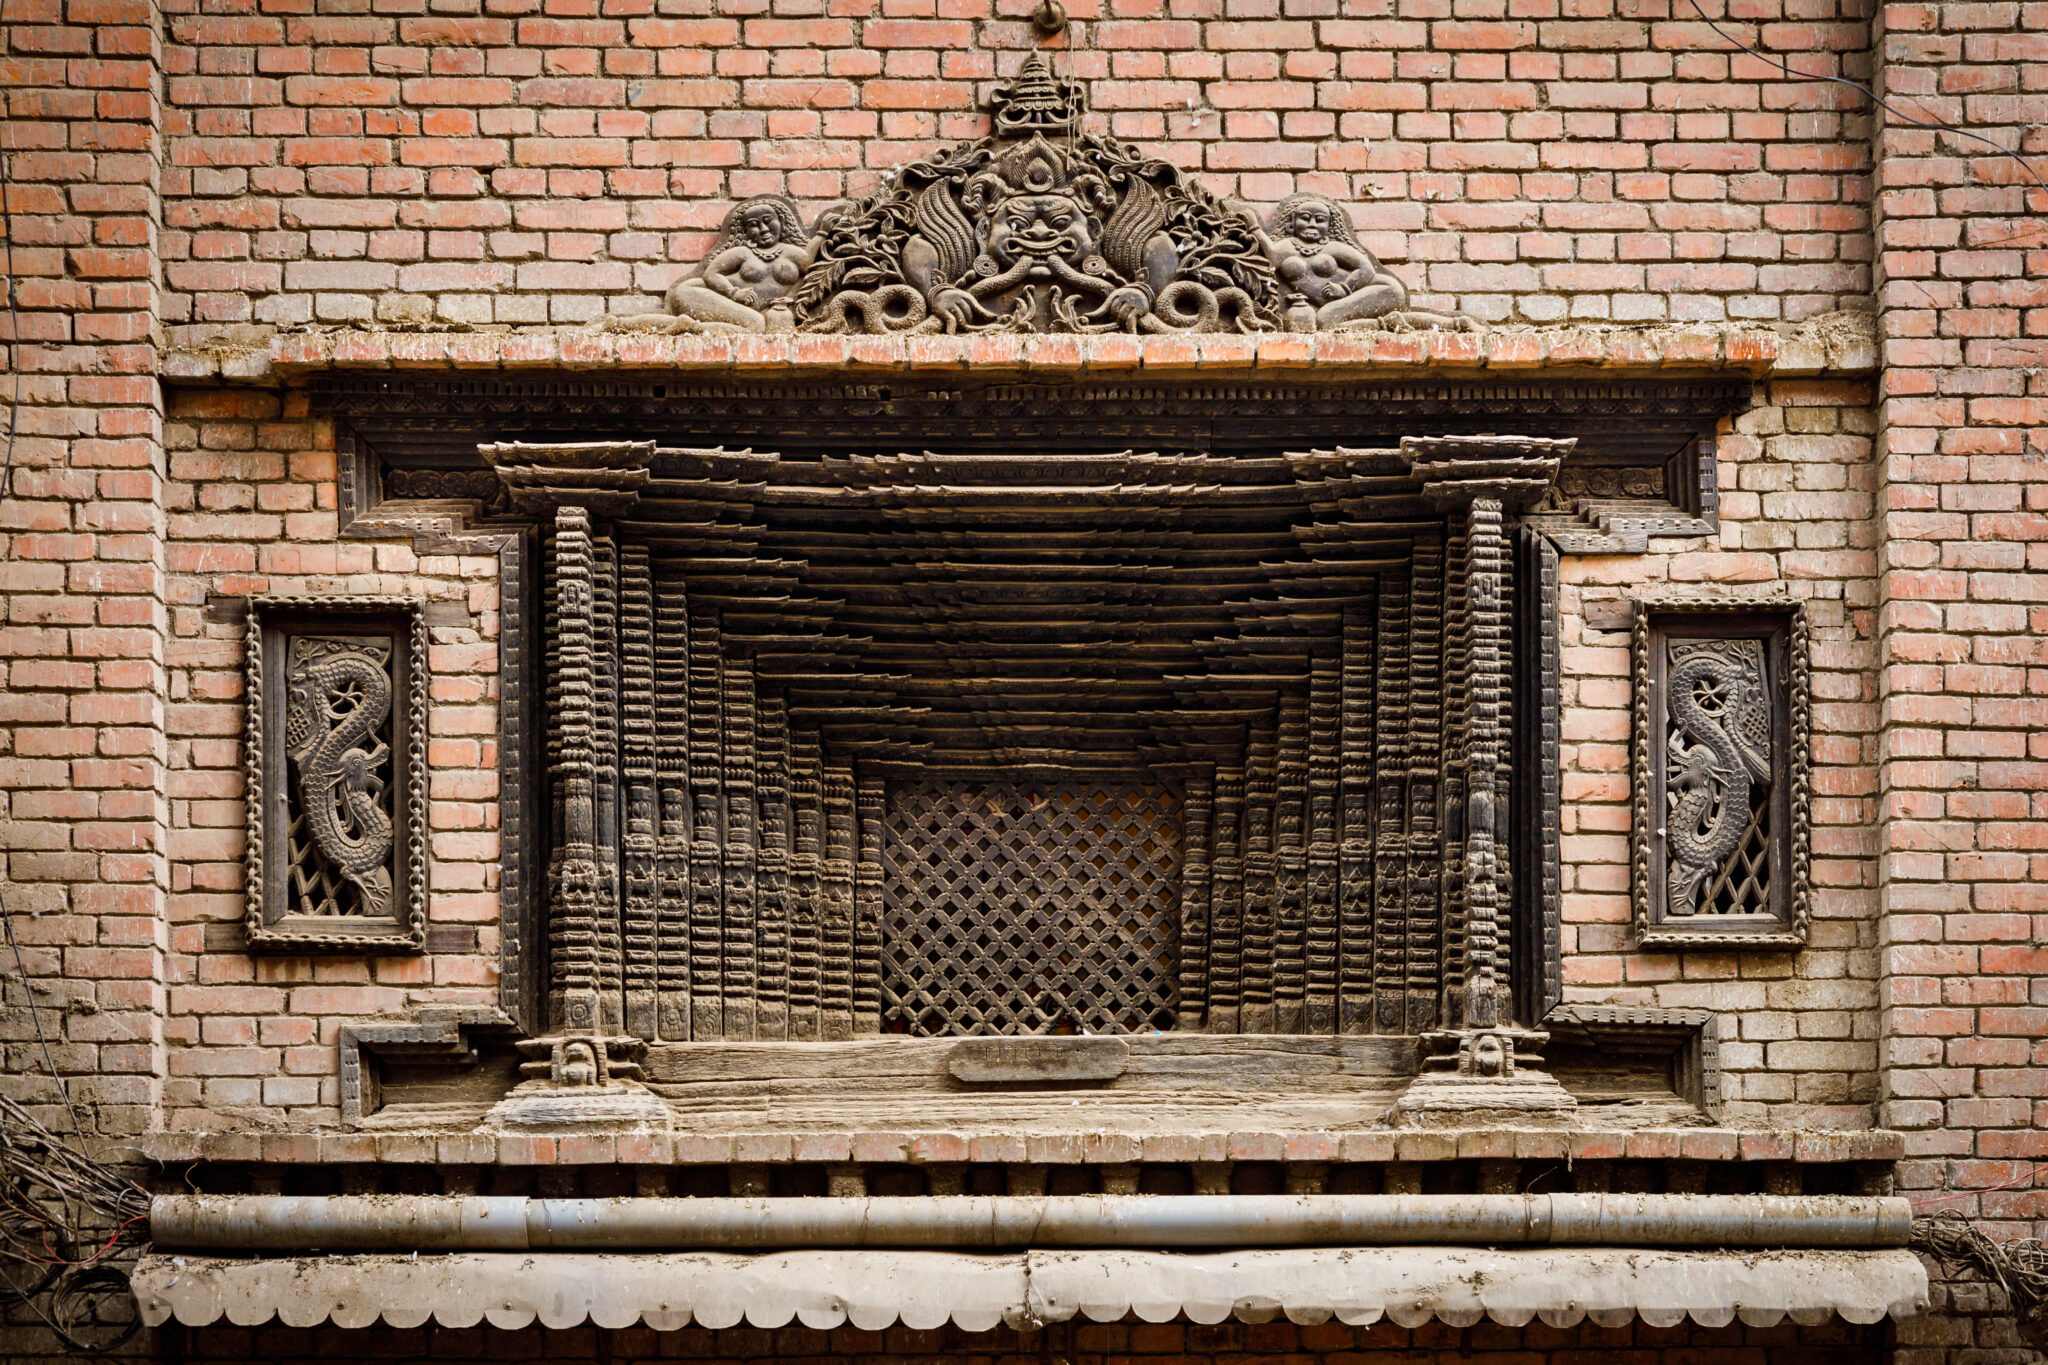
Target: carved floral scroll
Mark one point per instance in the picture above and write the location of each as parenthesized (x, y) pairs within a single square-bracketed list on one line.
[(1039, 227)]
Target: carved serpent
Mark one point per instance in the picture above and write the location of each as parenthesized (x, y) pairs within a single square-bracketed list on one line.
[(337, 696), (1731, 749)]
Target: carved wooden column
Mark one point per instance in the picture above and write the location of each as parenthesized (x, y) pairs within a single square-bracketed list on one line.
[(1323, 861), (1484, 1062), (585, 1070), (637, 842), (1355, 862), (573, 875), (1226, 902), (835, 985), (867, 907), (672, 770), (707, 825), (1194, 902)]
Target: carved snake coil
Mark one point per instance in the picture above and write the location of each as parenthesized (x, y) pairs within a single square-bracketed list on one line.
[(1730, 750), (337, 698)]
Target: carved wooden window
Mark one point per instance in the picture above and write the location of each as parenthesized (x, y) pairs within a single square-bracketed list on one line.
[(1721, 774), (336, 772), (980, 742)]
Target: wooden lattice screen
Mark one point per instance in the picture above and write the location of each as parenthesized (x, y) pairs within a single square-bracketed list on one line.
[(1019, 907)]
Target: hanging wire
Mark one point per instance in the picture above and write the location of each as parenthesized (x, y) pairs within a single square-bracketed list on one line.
[(2020, 1267), (1871, 95)]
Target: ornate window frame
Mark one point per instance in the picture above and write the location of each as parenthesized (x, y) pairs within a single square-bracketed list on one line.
[(1778, 620), (273, 621)]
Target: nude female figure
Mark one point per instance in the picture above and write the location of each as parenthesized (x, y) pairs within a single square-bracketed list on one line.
[(742, 284), (1333, 281)]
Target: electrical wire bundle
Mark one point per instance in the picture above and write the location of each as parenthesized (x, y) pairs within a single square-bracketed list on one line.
[(64, 1217), (2020, 1268)]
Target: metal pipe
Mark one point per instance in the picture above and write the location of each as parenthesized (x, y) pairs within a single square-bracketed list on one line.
[(305, 1223)]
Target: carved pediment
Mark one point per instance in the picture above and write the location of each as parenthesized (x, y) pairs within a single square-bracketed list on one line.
[(1040, 227)]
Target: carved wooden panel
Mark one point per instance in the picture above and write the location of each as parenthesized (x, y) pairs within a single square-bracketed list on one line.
[(336, 774), (1721, 773), (1020, 907)]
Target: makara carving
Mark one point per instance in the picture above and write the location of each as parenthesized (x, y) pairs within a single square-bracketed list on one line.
[(337, 713), (337, 709), (1721, 780), (1024, 742), (1039, 227)]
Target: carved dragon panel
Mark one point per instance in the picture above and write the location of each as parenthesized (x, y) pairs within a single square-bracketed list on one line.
[(336, 773), (1721, 773)]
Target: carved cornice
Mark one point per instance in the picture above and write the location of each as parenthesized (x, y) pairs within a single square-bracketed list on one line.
[(438, 420)]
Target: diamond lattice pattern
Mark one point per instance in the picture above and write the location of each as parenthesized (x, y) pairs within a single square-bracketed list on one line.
[(1013, 908)]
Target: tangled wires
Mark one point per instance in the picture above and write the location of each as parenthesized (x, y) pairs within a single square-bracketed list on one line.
[(63, 1216), (2020, 1268)]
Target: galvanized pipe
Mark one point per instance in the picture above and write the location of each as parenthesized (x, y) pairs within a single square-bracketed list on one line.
[(304, 1223)]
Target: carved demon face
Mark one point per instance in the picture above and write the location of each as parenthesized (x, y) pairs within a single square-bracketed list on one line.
[(1044, 226)]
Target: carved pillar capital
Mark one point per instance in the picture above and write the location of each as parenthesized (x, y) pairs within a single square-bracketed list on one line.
[(604, 477), (1454, 470)]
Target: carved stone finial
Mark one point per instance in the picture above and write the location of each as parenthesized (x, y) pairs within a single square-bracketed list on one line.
[(1035, 103), (603, 476)]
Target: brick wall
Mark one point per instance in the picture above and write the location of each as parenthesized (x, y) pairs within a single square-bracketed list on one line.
[(1798, 1032), (82, 710), (250, 506), (1963, 464), (518, 162)]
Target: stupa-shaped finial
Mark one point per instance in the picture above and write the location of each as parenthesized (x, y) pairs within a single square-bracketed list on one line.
[(1036, 102)]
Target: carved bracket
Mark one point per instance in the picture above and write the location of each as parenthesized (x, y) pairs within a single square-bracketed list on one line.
[(335, 763), (602, 477), (1722, 772)]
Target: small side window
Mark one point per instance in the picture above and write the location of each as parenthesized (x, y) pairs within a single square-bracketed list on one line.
[(1722, 790)]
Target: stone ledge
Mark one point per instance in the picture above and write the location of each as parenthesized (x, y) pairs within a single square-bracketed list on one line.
[(1836, 344), (1376, 1145)]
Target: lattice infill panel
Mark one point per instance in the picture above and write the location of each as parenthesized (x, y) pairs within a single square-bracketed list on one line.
[(1012, 908)]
